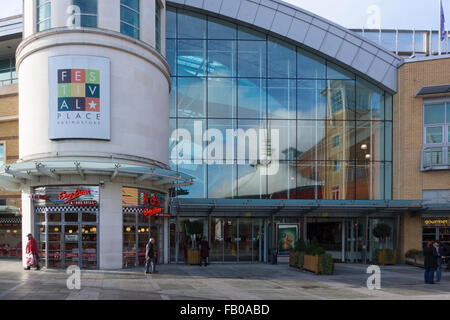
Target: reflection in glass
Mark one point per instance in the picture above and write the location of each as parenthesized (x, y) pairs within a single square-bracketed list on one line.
[(251, 183), (191, 25), (192, 97), (222, 58), (198, 190), (219, 29), (281, 99), (281, 184), (370, 141), (341, 99), (251, 98), (336, 72), (230, 253), (191, 60), (434, 113), (369, 180), (312, 99), (281, 59), (252, 59), (310, 66), (222, 182), (222, 98), (311, 140), (369, 101)]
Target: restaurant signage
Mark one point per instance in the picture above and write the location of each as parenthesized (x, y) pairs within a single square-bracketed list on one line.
[(66, 196), (436, 222)]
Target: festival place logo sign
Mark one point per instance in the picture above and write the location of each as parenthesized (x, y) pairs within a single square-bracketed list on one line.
[(79, 97)]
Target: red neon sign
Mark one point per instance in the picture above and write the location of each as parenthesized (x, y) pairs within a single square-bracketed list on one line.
[(72, 196), (151, 211)]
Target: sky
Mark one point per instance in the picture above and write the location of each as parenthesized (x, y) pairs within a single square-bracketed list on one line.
[(387, 14)]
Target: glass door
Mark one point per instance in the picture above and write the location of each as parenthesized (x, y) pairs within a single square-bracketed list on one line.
[(216, 243), (245, 240), (257, 241), (231, 241), (354, 240)]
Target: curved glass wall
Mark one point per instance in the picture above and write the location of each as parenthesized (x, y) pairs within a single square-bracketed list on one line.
[(88, 12), (253, 116), (43, 18)]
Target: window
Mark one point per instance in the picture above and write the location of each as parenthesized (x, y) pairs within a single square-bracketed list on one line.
[(43, 15), (8, 71), (157, 26), (129, 18), (436, 132), (88, 12), (336, 141), (2, 202), (2, 153)]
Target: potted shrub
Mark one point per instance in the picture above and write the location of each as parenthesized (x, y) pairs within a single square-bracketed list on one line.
[(326, 265), (411, 256), (293, 256), (384, 256)]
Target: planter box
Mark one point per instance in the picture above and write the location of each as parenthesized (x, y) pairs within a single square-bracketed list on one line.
[(193, 257), (382, 258), (292, 259), (311, 263)]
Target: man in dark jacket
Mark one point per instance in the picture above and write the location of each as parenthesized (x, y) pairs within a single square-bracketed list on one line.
[(430, 262), (150, 256), (204, 251)]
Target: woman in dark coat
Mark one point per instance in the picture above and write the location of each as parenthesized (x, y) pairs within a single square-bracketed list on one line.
[(430, 262), (204, 251)]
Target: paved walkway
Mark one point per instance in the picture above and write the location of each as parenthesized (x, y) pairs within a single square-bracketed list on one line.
[(220, 281)]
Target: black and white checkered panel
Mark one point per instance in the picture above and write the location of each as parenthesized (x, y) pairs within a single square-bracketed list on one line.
[(93, 209), (131, 210), (10, 221)]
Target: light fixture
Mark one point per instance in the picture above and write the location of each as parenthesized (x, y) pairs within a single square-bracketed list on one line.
[(56, 230), (70, 231), (147, 230), (15, 231), (128, 229), (82, 230), (364, 147), (8, 231), (367, 156)]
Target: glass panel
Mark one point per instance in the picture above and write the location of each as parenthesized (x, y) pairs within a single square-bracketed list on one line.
[(143, 238), (245, 240), (44, 12), (251, 183), (56, 217), (434, 135), (222, 98), (370, 141), (281, 59), (171, 23), (71, 217), (86, 6), (336, 72), (405, 42), (222, 58), (388, 141), (335, 180), (221, 132), (282, 183), (217, 240), (340, 143), (191, 25), (89, 217), (341, 99), (252, 59), (312, 99), (448, 112), (129, 246), (434, 113), (247, 141), (129, 16), (230, 240), (89, 21), (245, 33), (388, 40), (369, 181), (71, 249), (133, 4), (420, 42), (192, 97), (193, 147), (129, 218), (369, 101), (251, 98), (388, 181), (219, 29), (191, 59), (281, 99), (45, 25), (54, 247), (287, 148), (388, 106), (173, 99), (129, 30), (309, 136), (310, 66), (198, 190), (222, 183), (39, 217)]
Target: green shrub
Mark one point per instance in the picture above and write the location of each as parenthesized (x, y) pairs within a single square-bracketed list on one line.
[(299, 259), (318, 251), (300, 245), (389, 256), (413, 253), (326, 264)]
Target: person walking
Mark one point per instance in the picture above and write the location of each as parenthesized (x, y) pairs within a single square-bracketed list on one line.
[(150, 256), (204, 251), (33, 249), (430, 262), (440, 252)]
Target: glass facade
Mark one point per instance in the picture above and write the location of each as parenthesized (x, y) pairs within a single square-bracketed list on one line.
[(252, 116), (88, 12), (43, 18), (129, 18), (157, 26)]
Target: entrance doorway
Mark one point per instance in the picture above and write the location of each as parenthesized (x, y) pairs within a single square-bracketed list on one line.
[(67, 237)]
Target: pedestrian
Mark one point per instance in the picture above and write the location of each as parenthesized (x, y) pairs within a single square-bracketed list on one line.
[(33, 249), (150, 256), (440, 252), (430, 262), (204, 251)]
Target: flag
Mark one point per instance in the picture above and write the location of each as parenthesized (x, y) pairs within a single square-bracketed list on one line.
[(443, 33)]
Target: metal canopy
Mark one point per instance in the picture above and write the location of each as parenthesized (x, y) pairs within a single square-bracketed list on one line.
[(286, 208), (13, 175)]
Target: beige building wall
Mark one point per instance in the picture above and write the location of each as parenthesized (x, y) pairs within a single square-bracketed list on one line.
[(9, 134), (408, 180)]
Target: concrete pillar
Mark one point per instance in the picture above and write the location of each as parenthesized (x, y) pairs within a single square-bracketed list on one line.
[(27, 219), (109, 14), (110, 240), (59, 13), (147, 31), (29, 25)]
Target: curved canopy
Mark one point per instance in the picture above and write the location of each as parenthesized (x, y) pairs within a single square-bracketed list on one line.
[(13, 175)]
